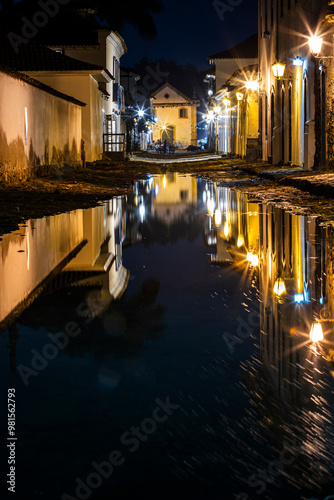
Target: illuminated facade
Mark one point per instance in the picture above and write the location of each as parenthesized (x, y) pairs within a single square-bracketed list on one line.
[(38, 126), (176, 116), (237, 124), (295, 107)]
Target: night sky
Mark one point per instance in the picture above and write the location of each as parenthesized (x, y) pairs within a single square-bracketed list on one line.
[(192, 30)]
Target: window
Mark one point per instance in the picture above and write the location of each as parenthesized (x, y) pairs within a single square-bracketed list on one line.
[(183, 113), (166, 96)]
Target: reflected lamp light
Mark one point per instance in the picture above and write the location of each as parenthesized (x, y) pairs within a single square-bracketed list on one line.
[(240, 241), (218, 217), (316, 333), (279, 287)]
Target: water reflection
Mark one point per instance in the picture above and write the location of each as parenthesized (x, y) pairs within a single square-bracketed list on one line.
[(286, 365)]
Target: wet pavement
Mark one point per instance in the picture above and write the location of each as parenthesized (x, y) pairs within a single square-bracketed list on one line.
[(175, 341)]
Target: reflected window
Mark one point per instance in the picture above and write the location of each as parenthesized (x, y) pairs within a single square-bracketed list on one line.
[(170, 177), (184, 195)]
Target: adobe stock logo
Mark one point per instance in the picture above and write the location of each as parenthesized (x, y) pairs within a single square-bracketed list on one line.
[(223, 7), (40, 19)]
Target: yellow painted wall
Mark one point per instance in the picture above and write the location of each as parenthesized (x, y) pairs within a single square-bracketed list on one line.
[(53, 133), (167, 111), (84, 88)]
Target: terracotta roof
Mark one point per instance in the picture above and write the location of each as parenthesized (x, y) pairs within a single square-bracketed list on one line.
[(33, 57), (35, 83), (248, 49)]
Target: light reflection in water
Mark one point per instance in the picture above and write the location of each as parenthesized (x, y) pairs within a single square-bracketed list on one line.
[(287, 257)]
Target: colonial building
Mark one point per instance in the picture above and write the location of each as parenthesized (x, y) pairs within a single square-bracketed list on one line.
[(39, 126), (233, 117), (77, 34), (296, 85), (240, 56), (176, 116), (237, 115)]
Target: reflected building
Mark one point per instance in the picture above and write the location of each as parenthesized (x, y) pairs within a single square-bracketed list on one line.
[(100, 264), (80, 248), (31, 254), (291, 384), (174, 195), (233, 227), (291, 276)]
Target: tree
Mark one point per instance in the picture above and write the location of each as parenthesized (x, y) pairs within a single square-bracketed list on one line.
[(100, 14)]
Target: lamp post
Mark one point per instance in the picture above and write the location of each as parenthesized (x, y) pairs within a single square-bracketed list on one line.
[(216, 110), (239, 96)]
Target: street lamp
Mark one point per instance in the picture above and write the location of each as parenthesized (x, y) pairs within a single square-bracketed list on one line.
[(315, 44), (251, 85), (278, 70)]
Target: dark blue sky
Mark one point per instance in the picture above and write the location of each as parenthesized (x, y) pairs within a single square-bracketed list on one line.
[(192, 30)]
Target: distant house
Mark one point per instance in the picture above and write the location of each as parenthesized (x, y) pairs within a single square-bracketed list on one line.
[(84, 81), (38, 126), (227, 62), (176, 116)]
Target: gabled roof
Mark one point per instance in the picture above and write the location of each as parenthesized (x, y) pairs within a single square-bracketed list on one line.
[(35, 83), (248, 49), (170, 86), (33, 57)]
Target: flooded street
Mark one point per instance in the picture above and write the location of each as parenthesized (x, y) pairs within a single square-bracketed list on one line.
[(174, 342)]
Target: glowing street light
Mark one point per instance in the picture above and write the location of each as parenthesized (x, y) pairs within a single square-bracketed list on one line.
[(216, 110), (251, 85), (141, 113), (239, 96), (211, 115), (298, 61), (316, 333), (278, 70), (315, 44)]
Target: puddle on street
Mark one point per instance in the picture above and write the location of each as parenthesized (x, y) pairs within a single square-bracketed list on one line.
[(179, 339)]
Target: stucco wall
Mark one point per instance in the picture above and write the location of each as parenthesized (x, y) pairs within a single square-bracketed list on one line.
[(185, 128), (36, 129), (84, 88)]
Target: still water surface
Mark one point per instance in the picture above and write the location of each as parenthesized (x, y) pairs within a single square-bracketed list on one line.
[(159, 345)]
